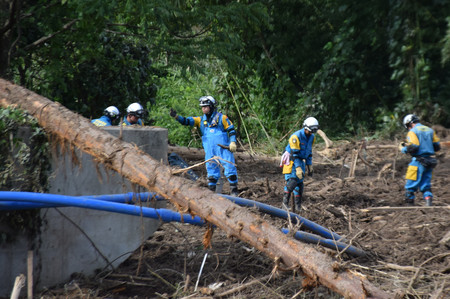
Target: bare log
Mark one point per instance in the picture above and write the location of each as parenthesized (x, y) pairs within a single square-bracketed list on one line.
[(381, 146), (19, 283), (328, 142), (141, 169), (380, 209)]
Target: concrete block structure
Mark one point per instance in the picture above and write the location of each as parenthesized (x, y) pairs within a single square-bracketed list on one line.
[(75, 240)]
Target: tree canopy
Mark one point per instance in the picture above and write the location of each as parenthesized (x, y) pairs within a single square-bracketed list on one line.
[(356, 66)]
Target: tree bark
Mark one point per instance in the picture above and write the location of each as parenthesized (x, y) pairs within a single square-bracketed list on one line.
[(141, 169)]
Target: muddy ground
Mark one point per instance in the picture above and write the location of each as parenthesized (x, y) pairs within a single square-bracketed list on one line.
[(408, 248)]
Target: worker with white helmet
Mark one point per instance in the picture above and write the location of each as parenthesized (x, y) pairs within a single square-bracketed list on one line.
[(110, 114), (296, 158), (135, 113), (218, 139), (421, 143)]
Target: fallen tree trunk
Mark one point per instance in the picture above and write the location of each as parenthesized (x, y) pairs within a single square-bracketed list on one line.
[(141, 169)]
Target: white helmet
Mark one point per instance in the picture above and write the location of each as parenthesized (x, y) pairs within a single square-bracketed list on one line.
[(311, 124), (112, 112), (409, 119), (135, 109), (207, 101)]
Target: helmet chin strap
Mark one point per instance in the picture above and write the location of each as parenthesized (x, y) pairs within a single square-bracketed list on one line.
[(211, 111)]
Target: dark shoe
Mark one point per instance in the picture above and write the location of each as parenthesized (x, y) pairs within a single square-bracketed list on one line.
[(428, 201), (212, 188), (234, 190), (409, 202)]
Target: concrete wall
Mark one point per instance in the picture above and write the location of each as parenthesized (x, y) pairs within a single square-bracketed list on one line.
[(75, 240)]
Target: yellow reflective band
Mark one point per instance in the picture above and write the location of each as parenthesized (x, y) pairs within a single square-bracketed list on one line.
[(412, 138), (294, 143)]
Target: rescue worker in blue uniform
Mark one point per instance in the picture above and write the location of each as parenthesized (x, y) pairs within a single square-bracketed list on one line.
[(421, 143), (135, 113), (296, 158), (216, 130), (110, 114)]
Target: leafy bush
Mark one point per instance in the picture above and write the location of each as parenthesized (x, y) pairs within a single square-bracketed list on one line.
[(24, 163)]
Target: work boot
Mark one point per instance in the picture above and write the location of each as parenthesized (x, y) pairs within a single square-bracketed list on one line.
[(234, 190), (428, 201), (409, 201), (409, 198), (286, 196), (212, 188), (298, 203)]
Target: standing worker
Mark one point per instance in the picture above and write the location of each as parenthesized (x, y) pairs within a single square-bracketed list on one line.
[(218, 139), (297, 155), (134, 116), (110, 114), (421, 144)]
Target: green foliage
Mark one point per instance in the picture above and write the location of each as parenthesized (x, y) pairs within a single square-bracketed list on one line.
[(92, 54), (24, 165), (416, 31), (358, 67), (239, 100), (446, 47)]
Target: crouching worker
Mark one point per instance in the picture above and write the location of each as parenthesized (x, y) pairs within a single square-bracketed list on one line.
[(421, 144), (296, 158), (218, 139), (110, 115)]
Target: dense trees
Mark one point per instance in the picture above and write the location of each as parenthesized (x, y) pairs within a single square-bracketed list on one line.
[(357, 66)]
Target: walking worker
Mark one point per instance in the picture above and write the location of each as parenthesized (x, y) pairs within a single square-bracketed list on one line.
[(135, 113), (297, 157), (218, 139), (110, 114), (421, 143)]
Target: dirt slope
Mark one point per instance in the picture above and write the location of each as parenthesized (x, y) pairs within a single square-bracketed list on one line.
[(408, 247)]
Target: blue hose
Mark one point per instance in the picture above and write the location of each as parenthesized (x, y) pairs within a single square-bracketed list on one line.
[(129, 197), (314, 227), (115, 203), (335, 245), (95, 204)]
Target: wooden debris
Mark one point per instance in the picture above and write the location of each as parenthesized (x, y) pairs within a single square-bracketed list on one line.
[(374, 209), (380, 146), (328, 142), (383, 169), (19, 283), (240, 287), (445, 239)]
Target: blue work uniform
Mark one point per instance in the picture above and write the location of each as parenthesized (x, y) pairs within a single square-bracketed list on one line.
[(422, 142), (125, 122), (215, 129), (103, 121), (300, 150)]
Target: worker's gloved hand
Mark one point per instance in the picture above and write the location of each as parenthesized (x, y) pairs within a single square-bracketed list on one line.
[(233, 147), (401, 146), (310, 170), (173, 113), (299, 172)]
